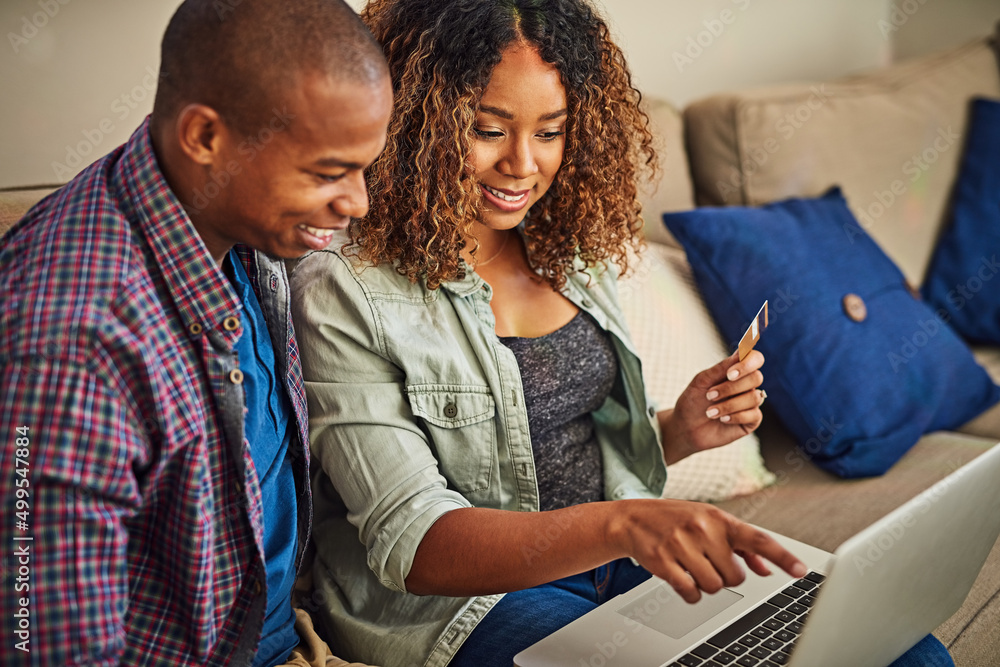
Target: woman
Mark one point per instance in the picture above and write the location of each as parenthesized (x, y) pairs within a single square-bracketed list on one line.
[(477, 407)]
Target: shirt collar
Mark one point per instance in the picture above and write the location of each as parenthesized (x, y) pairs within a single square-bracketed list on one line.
[(470, 284), (200, 290)]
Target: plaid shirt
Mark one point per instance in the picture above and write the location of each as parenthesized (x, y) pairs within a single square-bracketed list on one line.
[(131, 529)]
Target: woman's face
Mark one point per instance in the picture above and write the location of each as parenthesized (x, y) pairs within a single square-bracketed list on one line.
[(520, 135)]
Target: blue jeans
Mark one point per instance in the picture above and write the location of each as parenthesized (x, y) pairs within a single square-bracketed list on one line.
[(524, 617)]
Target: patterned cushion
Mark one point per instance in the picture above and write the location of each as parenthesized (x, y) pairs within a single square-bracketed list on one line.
[(676, 339), (15, 203)]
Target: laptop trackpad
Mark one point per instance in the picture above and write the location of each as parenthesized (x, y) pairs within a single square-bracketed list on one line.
[(664, 611)]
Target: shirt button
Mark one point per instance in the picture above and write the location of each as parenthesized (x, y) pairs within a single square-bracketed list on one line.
[(855, 307), (652, 411), (273, 282), (256, 587), (587, 303), (231, 323), (450, 410), (195, 328), (236, 376)]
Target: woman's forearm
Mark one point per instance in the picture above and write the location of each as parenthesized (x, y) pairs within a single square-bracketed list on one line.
[(475, 551), (692, 546)]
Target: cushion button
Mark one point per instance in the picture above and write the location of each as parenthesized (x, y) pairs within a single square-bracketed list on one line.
[(450, 410), (855, 307), (231, 323)]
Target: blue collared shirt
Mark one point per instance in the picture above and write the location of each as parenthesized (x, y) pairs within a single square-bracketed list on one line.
[(268, 428)]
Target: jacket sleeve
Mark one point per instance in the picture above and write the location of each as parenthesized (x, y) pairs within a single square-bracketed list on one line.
[(362, 429), (66, 487)]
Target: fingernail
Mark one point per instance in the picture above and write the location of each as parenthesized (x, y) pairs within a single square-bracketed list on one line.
[(733, 373), (799, 570), (724, 418), (712, 395), (712, 412)]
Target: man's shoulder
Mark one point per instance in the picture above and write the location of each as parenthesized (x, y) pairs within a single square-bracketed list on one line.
[(68, 259), (81, 223)]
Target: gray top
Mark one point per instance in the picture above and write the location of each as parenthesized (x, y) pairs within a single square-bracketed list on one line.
[(566, 375)]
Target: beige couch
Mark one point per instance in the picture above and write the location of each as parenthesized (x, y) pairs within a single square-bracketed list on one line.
[(754, 147), (861, 132)]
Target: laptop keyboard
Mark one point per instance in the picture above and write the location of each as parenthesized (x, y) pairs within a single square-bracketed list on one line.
[(763, 638)]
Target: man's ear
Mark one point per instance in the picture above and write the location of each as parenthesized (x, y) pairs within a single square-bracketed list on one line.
[(200, 133)]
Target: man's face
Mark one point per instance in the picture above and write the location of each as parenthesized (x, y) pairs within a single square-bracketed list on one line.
[(287, 185)]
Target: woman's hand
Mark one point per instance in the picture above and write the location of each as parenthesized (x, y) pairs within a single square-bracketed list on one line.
[(694, 546), (720, 405)]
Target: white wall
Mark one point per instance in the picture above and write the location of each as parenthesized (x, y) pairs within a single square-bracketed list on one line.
[(699, 48), (930, 25), (79, 83), (73, 85)]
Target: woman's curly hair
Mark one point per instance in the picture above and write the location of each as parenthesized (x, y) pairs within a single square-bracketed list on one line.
[(424, 197)]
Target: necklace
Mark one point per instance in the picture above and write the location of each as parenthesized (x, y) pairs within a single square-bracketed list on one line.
[(503, 246)]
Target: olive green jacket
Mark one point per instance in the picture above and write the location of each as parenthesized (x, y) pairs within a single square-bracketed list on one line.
[(416, 409)]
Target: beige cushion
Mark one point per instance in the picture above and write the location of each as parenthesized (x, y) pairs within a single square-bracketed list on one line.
[(675, 338), (891, 139), (986, 425), (15, 203), (673, 190)]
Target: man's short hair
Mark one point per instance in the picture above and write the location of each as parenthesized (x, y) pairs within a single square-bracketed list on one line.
[(239, 56)]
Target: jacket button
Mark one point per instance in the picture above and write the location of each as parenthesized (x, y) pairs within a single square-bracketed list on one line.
[(450, 410), (855, 307), (231, 323), (236, 376)]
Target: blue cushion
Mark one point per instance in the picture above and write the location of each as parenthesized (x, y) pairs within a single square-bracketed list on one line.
[(960, 281), (856, 394)]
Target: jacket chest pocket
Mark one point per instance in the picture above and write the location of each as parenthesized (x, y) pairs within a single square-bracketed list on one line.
[(459, 422)]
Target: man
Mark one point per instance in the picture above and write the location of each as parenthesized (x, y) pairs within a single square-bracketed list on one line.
[(154, 475)]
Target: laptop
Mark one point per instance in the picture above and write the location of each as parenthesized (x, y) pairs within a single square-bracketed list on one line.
[(865, 605)]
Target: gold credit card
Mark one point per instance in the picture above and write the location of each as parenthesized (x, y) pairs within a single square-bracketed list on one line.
[(753, 332)]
